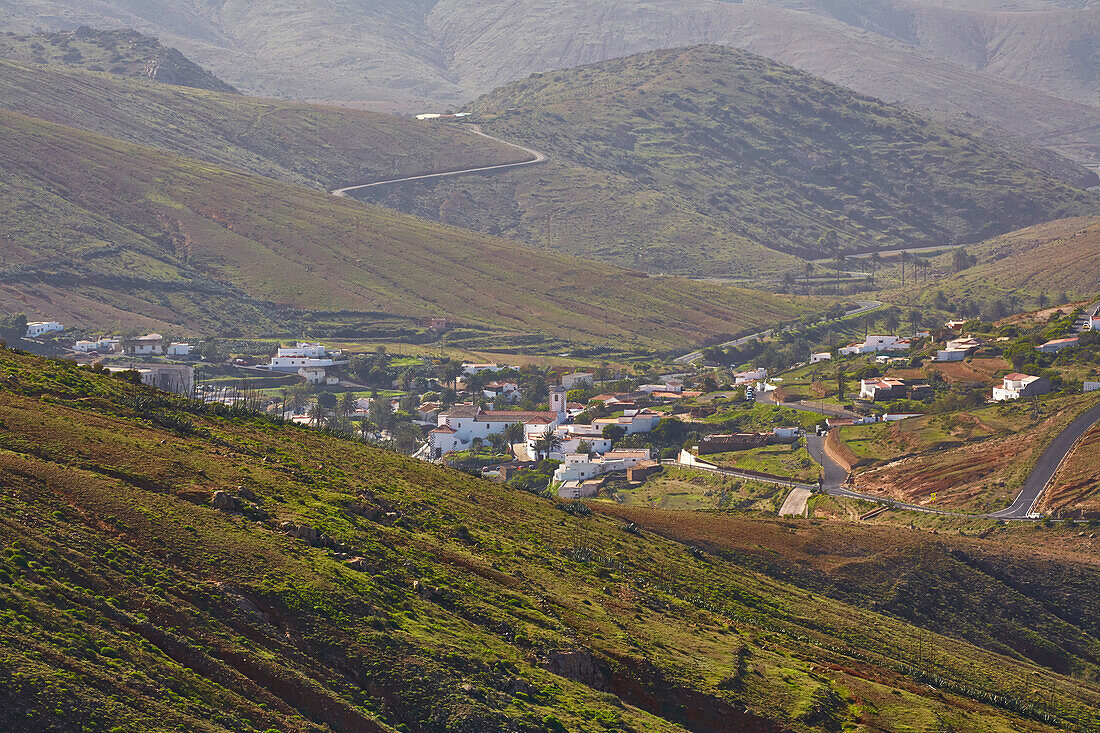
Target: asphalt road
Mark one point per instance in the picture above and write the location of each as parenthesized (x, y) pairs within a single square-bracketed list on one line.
[(1047, 464), (536, 157), (862, 307)]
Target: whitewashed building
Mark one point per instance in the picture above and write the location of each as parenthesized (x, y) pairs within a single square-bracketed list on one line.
[(151, 344), (292, 358), (459, 426), (874, 344), (178, 349), (1015, 386), (578, 468), (40, 328), (632, 421), (576, 380)]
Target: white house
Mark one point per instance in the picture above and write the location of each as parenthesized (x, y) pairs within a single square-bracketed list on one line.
[(457, 427), (38, 328), (576, 380), (176, 378), (313, 375), (293, 358), (1090, 386), (752, 375), (820, 357), (632, 421), (1093, 322), (1019, 385), (571, 438), (958, 349), (84, 347), (881, 389), (578, 468), (178, 349), (672, 387), (877, 343), (470, 368), (1056, 345), (786, 432), (151, 344)]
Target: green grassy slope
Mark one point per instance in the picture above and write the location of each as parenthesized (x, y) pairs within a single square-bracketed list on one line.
[(324, 147), (432, 602), (692, 153), (120, 52), (96, 231)]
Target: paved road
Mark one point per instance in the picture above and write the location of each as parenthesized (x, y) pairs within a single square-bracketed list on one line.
[(1047, 464), (536, 158), (862, 306), (795, 504)]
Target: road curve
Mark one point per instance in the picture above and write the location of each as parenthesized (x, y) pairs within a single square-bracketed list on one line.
[(536, 158), (1048, 464)]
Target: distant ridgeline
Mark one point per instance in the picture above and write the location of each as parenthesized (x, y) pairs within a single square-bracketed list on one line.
[(122, 52)]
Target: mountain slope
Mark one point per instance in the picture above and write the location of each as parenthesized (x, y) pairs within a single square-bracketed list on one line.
[(344, 588), (96, 231), (121, 52), (1050, 46), (323, 147), (436, 53), (764, 154), (1052, 258)]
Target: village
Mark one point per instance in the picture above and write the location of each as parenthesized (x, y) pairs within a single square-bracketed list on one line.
[(604, 430)]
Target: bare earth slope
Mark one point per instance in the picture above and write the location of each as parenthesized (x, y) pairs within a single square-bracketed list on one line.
[(1032, 73)]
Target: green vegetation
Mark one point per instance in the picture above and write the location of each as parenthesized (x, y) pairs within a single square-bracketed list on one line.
[(116, 233), (787, 460), (712, 161), (124, 53), (343, 587), (685, 489)]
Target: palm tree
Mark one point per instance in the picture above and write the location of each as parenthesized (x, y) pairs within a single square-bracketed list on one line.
[(498, 442), (365, 429), (548, 442), (316, 415), (347, 404), (513, 433)]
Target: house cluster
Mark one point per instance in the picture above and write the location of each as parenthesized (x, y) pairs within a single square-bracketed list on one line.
[(1016, 385), (727, 442), (579, 474), (459, 426), (883, 388), (874, 344), (751, 375), (104, 345), (312, 362), (153, 344)]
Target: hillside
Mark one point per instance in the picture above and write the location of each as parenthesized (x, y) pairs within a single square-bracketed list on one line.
[(344, 588), (675, 161), (1047, 45), (1051, 258), (1029, 66), (322, 147), (119, 52), (100, 232)]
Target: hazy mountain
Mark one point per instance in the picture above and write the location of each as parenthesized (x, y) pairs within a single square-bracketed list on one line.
[(1028, 66), (120, 52), (710, 160)]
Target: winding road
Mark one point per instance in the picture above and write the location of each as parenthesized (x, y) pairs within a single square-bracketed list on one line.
[(536, 158)]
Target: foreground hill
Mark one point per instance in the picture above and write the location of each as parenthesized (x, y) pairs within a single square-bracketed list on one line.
[(100, 232), (323, 147), (343, 588), (1031, 69), (120, 52), (693, 160)]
